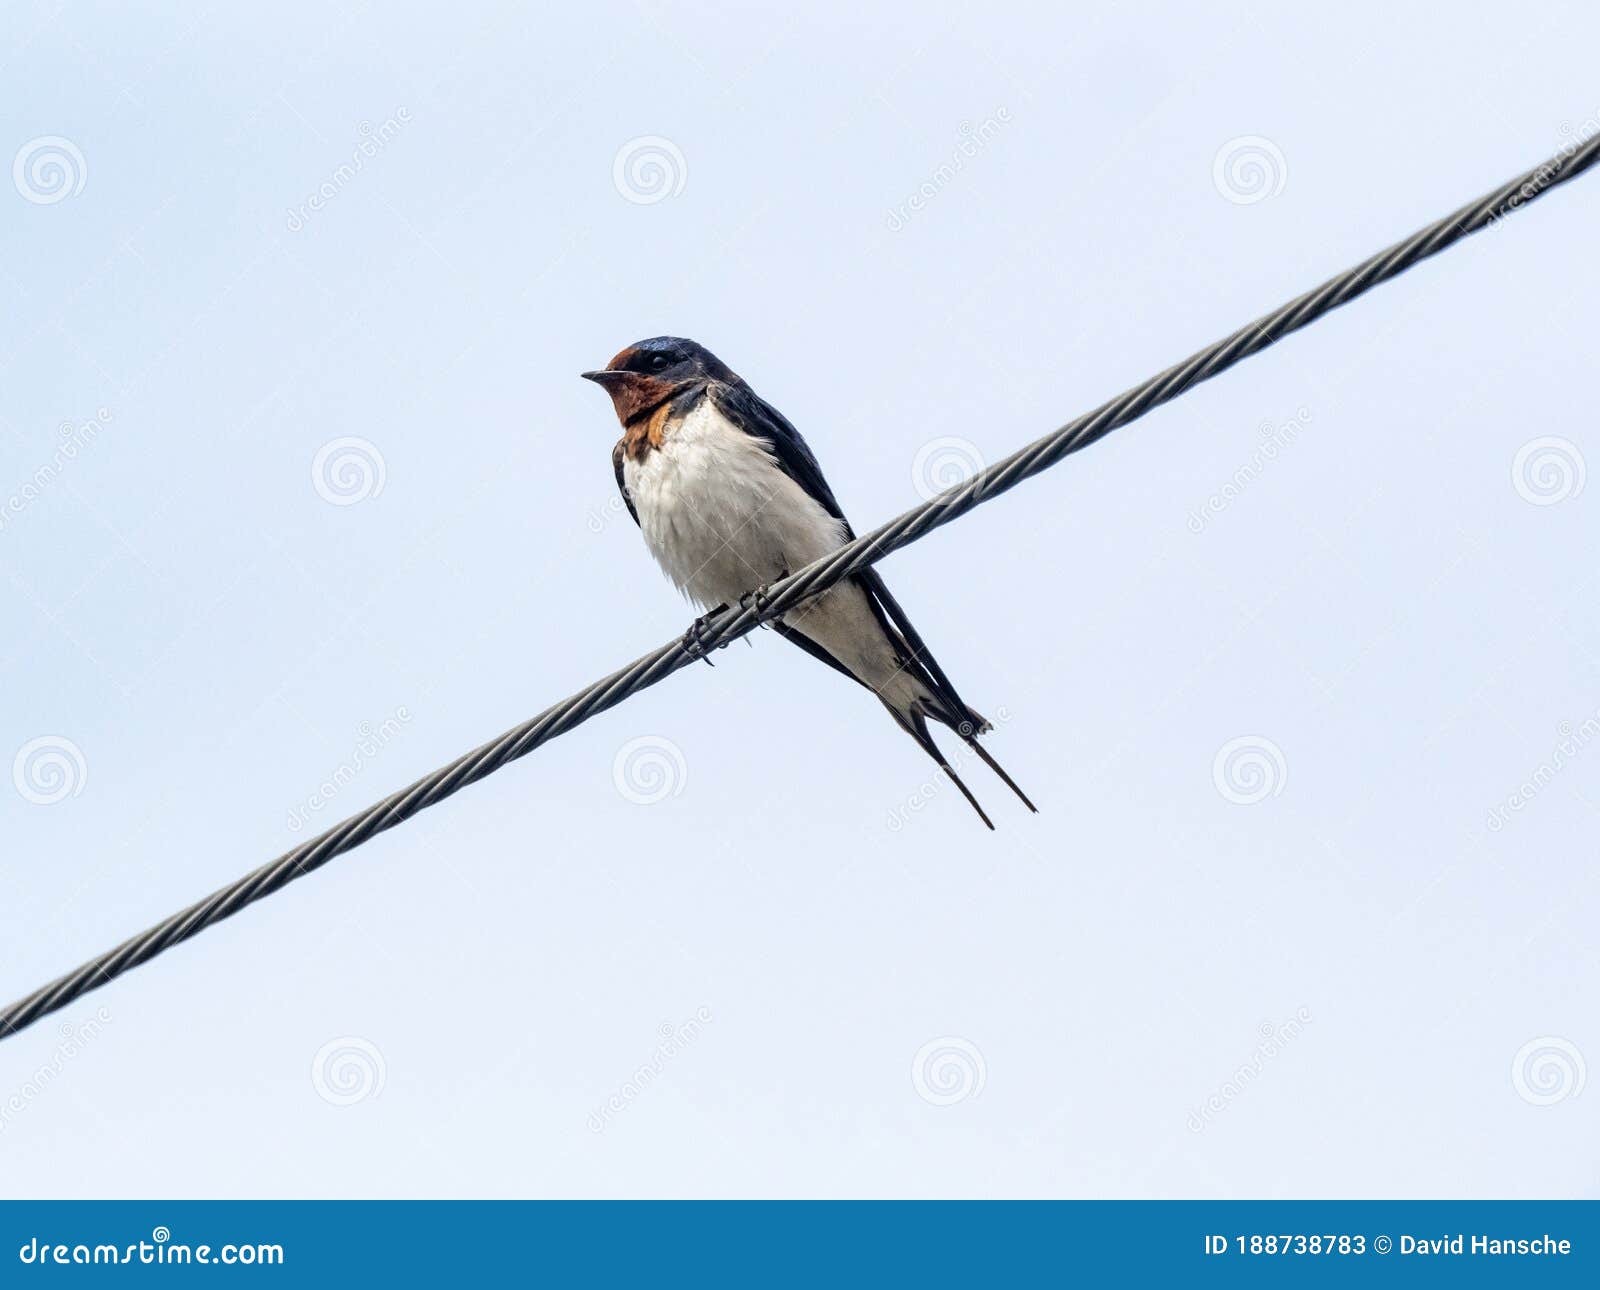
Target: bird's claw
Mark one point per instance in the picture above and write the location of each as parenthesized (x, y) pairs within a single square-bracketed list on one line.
[(758, 598), (693, 639)]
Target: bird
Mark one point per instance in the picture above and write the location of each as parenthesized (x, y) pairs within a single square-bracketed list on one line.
[(729, 498)]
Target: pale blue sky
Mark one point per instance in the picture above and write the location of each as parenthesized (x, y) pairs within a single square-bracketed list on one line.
[(211, 647)]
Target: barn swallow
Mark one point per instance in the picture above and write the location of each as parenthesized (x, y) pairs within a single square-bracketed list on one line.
[(730, 498)]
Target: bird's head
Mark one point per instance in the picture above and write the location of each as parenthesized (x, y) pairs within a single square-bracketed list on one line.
[(648, 373)]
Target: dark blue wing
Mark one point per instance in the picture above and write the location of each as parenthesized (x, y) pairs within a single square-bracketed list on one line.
[(617, 456), (756, 417)]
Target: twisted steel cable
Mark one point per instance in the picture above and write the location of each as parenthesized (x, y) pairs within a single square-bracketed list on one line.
[(783, 595)]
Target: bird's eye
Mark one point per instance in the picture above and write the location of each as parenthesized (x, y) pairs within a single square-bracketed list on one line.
[(660, 363)]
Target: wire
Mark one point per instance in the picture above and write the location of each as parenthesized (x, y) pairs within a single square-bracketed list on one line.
[(783, 595)]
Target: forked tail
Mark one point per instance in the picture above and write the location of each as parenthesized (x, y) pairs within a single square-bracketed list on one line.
[(968, 728)]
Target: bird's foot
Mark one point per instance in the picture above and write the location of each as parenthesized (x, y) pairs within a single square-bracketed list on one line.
[(693, 639), (758, 598)]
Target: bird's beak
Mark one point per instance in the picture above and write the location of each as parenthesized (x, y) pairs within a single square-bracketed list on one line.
[(631, 392)]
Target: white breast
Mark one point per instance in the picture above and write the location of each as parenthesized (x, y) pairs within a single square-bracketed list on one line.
[(718, 514)]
